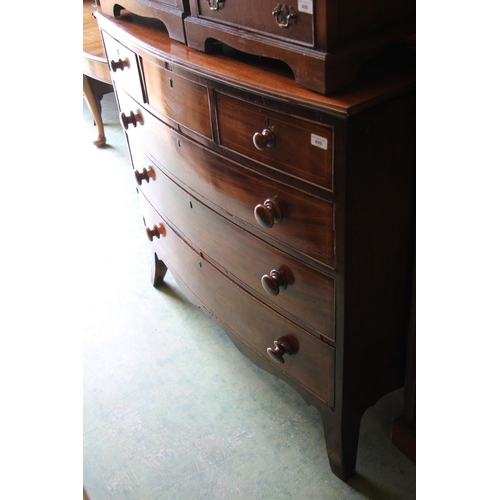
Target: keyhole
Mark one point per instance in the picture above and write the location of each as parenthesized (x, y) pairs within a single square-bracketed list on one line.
[(190, 204)]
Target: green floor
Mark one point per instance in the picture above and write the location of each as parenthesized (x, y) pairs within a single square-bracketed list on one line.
[(171, 409)]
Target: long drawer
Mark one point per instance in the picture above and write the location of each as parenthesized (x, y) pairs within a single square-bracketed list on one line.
[(303, 293), (306, 223), (312, 365)]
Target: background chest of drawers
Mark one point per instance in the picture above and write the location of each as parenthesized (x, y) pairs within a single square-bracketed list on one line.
[(325, 42), (285, 214)]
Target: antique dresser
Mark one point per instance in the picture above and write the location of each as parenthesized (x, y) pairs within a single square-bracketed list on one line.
[(286, 215), (325, 42)]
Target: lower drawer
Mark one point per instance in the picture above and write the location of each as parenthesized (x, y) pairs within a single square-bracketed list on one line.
[(311, 365), (300, 292)]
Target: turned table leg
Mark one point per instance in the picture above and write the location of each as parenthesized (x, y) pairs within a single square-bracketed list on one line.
[(95, 107)]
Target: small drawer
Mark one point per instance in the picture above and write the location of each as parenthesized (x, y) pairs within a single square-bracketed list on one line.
[(311, 363), (304, 224), (299, 291), (269, 18), (124, 67), (301, 148), (180, 99)]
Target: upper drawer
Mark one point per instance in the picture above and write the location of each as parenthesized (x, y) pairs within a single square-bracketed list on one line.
[(263, 16), (180, 99), (124, 67), (306, 223), (287, 143)]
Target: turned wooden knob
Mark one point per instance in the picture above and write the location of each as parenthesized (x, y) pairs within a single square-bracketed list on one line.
[(131, 119), (263, 140), (268, 213), (120, 64), (273, 283), (156, 231), (145, 175), (283, 345)]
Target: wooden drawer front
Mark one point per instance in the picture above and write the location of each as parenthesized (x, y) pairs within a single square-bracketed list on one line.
[(258, 16), (124, 67), (253, 322), (306, 294), (307, 223), (301, 148), (178, 98)]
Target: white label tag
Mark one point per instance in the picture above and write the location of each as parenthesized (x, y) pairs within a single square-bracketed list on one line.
[(306, 6), (319, 142)]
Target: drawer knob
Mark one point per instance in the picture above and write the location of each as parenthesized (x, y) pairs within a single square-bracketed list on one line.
[(283, 345), (131, 119), (145, 175), (263, 140), (284, 15), (120, 64), (156, 231), (268, 213), (273, 283)]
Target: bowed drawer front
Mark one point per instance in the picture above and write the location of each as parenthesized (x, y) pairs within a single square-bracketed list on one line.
[(296, 220), (311, 365)]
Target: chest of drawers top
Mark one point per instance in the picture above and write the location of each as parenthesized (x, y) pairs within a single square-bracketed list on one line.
[(266, 78)]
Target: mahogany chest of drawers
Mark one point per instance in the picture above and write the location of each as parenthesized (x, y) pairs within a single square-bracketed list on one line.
[(284, 214)]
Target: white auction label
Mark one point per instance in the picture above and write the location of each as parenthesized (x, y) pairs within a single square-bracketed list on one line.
[(319, 142), (306, 6)]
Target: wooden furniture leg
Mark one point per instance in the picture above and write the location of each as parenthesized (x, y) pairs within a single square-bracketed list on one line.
[(96, 78), (341, 436), (158, 270), (94, 102)]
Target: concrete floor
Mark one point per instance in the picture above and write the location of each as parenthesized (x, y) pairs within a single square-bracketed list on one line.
[(171, 409)]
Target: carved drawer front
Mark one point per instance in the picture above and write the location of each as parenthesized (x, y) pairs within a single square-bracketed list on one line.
[(309, 361), (124, 67), (290, 144), (295, 219), (292, 21), (182, 100), (300, 291)]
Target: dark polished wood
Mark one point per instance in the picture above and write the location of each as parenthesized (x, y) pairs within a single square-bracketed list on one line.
[(285, 214), (170, 12), (404, 427), (96, 78)]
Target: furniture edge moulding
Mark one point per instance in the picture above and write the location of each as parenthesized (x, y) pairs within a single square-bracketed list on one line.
[(150, 43)]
